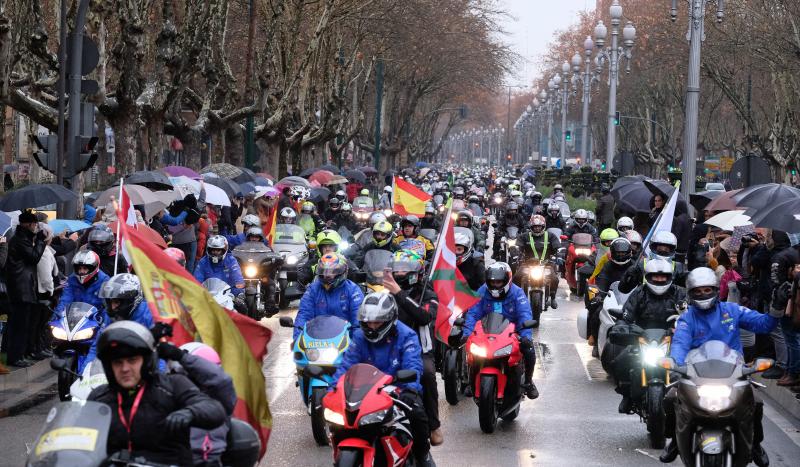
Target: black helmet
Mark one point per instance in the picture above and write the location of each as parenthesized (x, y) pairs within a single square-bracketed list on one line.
[(621, 251), (410, 220), (335, 203), (126, 339), (511, 209), (127, 289), (101, 240)]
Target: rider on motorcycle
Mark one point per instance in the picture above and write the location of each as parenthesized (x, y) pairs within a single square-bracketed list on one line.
[(662, 246), (389, 345), (554, 219), (536, 245), (430, 221), (220, 264), (409, 229), (84, 284), (102, 241), (382, 236), (467, 220), (708, 319), (501, 295), (512, 218), (417, 304), (248, 221), (471, 267), (309, 220), (287, 216), (331, 294), (636, 242), (123, 300), (581, 225), (328, 241), (624, 224), (620, 254), (648, 306)]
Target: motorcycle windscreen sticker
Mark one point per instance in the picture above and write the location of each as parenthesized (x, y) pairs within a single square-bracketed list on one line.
[(67, 438)]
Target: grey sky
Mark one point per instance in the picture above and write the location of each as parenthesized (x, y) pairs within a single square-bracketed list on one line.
[(531, 29)]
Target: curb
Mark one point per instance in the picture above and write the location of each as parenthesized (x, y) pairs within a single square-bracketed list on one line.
[(26, 387), (781, 395)]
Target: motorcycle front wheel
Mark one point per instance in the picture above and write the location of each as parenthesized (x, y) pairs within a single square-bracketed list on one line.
[(349, 458), (66, 379), (487, 404), (655, 416), (711, 460), (535, 299), (318, 428), (451, 376)]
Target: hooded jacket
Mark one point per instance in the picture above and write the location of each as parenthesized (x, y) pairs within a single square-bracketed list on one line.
[(342, 302), (474, 271), (514, 307)]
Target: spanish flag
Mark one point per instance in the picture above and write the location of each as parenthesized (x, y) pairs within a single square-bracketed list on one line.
[(175, 297), (408, 199), (269, 230)]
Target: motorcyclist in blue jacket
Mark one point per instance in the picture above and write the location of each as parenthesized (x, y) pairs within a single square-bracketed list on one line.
[(331, 294), (248, 221), (501, 295), (389, 345), (218, 263), (123, 300), (709, 319)]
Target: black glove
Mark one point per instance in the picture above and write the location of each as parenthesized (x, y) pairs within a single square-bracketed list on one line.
[(168, 351), (464, 340), (160, 330), (178, 420), (525, 343)]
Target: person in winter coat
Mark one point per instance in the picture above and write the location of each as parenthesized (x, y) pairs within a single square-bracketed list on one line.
[(84, 284), (604, 211), (123, 300), (89, 213), (467, 220), (182, 219), (417, 306), (25, 249), (151, 412), (539, 246), (47, 275), (220, 264), (249, 221), (103, 242), (429, 221), (331, 294), (471, 266)]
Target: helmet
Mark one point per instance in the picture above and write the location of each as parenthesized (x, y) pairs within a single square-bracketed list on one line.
[(591, 217), (204, 351), (251, 220), (498, 272), (621, 251), (538, 224), (536, 197), (377, 307), (624, 224), (408, 262), (663, 244), (458, 192), (511, 209), (347, 207), (332, 270), (553, 209), (465, 241), (299, 192), (607, 236), (410, 219), (101, 240), (387, 189), (465, 214), (364, 192), (221, 291), (701, 278), (376, 217), (328, 237), (581, 217), (255, 232), (474, 199), (385, 228), (334, 203), (658, 267), (88, 259), (216, 248), (341, 195), (307, 207), (558, 187), (177, 254), (126, 339), (288, 216), (429, 209), (124, 288), (634, 237)]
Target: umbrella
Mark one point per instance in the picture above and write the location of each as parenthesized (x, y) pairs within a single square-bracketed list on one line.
[(368, 170), (659, 187), (165, 198), (766, 195), (228, 186), (421, 164), (627, 180), (337, 180), (247, 175), (180, 171), (321, 176), (223, 169), (308, 172), (5, 223), (149, 178), (36, 196), (147, 232), (355, 175), (723, 202), (320, 194), (331, 168), (247, 187), (783, 216), (267, 191), (266, 175), (635, 196), (214, 194), (261, 181), (67, 225), (700, 200), (293, 180), (137, 194), (729, 220)]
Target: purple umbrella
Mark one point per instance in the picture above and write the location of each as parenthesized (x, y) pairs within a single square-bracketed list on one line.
[(178, 171)]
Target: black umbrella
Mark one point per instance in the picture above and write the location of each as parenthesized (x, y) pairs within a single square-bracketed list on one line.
[(766, 195), (320, 194), (700, 200), (659, 187), (154, 179), (633, 195), (330, 168), (368, 170), (247, 187), (36, 196), (356, 175), (261, 181), (784, 216), (622, 181), (228, 186), (247, 175), (309, 172)]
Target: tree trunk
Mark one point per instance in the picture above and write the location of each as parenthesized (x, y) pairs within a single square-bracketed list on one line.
[(155, 142), (125, 136), (217, 146), (296, 151), (283, 155), (234, 145)]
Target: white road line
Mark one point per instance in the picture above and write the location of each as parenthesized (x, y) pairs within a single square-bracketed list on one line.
[(645, 453), (585, 354), (783, 423)]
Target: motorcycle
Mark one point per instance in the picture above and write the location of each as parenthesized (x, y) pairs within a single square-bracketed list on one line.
[(363, 207), (535, 281), (73, 335), (496, 369), (322, 343), (259, 265), (367, 420), (715, 406), (455, 372), (581, 250), (611, 311), (510, 248), (375, 262), (76, 433), (93, 376), (290, 244)]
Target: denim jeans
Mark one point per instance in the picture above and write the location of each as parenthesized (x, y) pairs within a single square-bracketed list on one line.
[(792, 339)]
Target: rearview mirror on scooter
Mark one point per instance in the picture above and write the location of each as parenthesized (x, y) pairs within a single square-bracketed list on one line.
[(529, 324), (761, 364), (668, 363), (286, 322), (58, 364), (405, 376)]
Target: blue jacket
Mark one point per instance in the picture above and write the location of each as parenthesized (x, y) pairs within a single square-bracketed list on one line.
[(399, 350), (342, 302), (696, 327), (228, 270), (142, 315), (74, 291), (515, 308), (88, 213)]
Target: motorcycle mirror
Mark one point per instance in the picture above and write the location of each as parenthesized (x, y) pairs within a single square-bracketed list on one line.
[(404, 376), (58, 364), (761, 364), (529, 324), (668, 363), (313, 371), (286, 322), (615, 312)]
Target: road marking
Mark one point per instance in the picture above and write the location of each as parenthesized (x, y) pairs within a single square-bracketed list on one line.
[(591, 366), (783, 423)]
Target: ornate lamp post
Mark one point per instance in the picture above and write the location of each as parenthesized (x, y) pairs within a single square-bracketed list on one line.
[(586, 78)]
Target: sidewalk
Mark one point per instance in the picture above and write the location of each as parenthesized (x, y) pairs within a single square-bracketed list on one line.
[(23, 387), (784, 397)]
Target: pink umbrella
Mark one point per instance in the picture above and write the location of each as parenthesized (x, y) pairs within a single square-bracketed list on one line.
[(321, 176), (178, 171)]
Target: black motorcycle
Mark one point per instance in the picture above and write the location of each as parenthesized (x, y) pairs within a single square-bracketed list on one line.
[(259, 265)]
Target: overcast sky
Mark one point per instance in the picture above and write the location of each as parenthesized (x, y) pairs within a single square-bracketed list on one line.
[(532, 26)]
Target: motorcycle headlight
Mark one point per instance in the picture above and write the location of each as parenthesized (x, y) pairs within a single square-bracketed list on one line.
[(343, 245), (511, 242), (333, 417), (498, 200), (375, 417), (250, 271), (324, 356), (583, 251), (537, 273), (652, 354), (291, 260), (59, 333), (83, 334), (477, 350), (714, 397), (504, 352), (387, 212)]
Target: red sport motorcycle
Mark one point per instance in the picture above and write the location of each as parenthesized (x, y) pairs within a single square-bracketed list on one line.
[(496, 369), (581, 250), (367, 420)]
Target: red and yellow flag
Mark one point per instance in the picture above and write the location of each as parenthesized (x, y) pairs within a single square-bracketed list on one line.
[(175, 297), (269, 230), (408, 199)]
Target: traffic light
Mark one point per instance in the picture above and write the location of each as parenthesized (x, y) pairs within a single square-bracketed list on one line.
[(47, 156), (569, 136), (616, 118), (603, 166), (87, 157)]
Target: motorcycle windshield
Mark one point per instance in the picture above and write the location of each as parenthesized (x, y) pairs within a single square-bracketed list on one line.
[(714, 359), (494, 323), (345, 234), (74, 433), (325, 327), (290, 234), (252, 247), (430, 234), (358, 381), (582, 239), (363, 202), (512, 232), (77, 311), (375, 261)]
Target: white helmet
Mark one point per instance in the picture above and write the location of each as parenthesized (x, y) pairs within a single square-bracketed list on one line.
[(624, 224), (581, 217), (461, 238), (658, 267), (213, 245), (702, 277), (288, 215), (250, 220), (387, 189), (664, 241)]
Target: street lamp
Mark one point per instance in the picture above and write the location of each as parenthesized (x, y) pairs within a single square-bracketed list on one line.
[(586, 78), (613, 55), (565, 69), (696, 35)]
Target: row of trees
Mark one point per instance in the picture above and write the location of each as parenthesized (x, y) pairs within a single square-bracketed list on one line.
[(305, 71)]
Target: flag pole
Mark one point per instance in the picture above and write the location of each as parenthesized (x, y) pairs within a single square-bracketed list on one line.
[(119, 219), (438, 251), (646, 240)]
